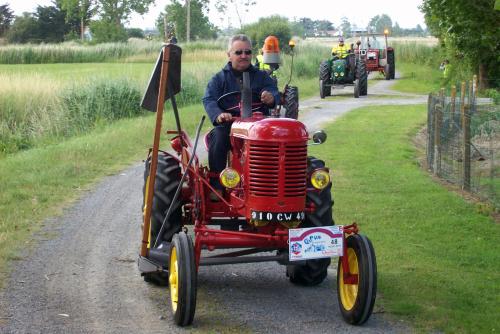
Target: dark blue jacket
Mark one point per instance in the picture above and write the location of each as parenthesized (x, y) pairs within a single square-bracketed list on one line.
[(225, 82)]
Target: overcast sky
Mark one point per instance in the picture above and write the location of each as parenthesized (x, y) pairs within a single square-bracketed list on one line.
[(359, 12)]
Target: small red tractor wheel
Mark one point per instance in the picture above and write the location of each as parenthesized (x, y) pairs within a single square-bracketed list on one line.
[(356, 300), (182, 279)]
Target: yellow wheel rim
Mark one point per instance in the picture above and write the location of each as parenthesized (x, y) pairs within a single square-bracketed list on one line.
[(349, 292), (173, 279)]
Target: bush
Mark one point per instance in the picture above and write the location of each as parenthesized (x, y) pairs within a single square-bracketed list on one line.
[(273, 25), (106, 31)]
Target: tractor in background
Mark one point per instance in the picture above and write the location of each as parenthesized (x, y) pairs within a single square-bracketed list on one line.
[(336, 73), (379, 57)]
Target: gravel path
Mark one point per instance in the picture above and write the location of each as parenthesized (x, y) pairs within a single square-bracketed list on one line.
[(82, 275)]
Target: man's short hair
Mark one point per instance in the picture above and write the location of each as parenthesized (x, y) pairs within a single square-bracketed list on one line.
[(240, 37)]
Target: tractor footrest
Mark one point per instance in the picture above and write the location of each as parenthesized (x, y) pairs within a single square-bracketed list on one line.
[(209, 261)]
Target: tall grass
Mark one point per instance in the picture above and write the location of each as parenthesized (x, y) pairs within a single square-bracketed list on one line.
[(417, 53), (71, 52)]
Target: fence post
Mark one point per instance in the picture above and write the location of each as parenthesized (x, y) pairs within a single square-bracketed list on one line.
[(438, 120), (452, 107), (462, 103), (430, 131), (466, 143)]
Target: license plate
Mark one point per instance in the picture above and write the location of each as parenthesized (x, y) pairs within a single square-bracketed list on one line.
[(278, 217), (315, 242)]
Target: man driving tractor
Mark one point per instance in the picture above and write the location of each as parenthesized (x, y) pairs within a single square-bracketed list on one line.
[(342, 51), (230, 79)]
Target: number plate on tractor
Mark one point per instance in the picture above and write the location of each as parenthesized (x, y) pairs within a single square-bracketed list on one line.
[(278, 217), (315, 242)]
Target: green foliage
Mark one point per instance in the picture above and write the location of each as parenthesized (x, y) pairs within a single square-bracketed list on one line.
[(200, 26), (100, 102), (305, 27), (119, 11), (272, 25), (379, 23), (106, 31), (72, 52), (135, 33), (469, 31), (6, 17), (24, 30), (78, 13)]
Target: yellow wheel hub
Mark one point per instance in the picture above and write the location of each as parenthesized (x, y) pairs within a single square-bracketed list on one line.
[(349, 292), (173, 278)]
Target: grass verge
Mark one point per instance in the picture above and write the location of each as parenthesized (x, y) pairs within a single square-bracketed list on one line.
[(417, 79), (38, 183), (437, 257)]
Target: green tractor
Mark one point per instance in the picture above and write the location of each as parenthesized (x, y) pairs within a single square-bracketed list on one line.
[(338, 72)]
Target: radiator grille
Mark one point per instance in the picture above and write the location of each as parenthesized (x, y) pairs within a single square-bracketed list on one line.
[(265, 174)]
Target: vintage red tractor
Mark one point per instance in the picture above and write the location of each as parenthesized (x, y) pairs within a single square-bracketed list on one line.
[(277, 202), (379, 57)]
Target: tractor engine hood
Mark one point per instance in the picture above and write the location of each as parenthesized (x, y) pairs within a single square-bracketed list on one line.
[(269, 129)]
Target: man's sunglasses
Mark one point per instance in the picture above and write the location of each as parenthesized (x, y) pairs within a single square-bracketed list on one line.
[(240, 52)]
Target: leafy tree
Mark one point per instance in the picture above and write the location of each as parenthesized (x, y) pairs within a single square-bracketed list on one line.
[(469, 31), (345, 26), (24, 29), (238, 5), (51, 24), (6, 17), (80, 11), (119, 11), (176, 13), (396, 30), (272, 25), (135, 33), (378, 23), (104, 31)]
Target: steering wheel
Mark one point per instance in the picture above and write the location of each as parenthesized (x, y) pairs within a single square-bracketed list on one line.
[(231, 102)]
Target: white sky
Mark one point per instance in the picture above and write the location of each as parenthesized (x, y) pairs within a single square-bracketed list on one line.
[(359, 12)]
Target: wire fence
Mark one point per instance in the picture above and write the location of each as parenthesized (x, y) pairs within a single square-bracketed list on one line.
[(463, 140)]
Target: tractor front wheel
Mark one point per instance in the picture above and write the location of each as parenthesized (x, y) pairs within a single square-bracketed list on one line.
[(313, 272), (324, 79), (291, 102), (392, 64), (356, 300), (362, 75), (182, 279)]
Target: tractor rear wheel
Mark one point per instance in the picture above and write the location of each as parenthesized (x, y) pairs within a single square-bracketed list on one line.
[(166, 182), (356, 300), (362, 76), (313, 272), (325, 73), (356, 88), (387, 72), (392, 64), (292, 102), (182, 279), (168, 175)]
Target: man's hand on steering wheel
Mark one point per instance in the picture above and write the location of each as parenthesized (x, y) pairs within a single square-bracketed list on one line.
[(267, 98), (224, 117)]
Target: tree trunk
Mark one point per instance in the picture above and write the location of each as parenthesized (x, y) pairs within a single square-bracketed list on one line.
[(483, 77), (82, 29)]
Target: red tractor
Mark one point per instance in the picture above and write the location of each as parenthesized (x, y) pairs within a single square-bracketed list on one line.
[(379, 57), (277, 201)]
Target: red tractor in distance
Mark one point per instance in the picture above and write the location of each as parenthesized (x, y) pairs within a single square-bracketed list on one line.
[(277, 205), (379, 57)]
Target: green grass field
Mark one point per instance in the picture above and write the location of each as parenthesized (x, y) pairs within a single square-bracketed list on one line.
[(437, 257)]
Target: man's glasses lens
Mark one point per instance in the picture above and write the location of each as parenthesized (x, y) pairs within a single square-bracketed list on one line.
[(239, 52)]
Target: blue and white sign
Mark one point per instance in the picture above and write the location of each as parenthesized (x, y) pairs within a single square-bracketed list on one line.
[(315, 242)]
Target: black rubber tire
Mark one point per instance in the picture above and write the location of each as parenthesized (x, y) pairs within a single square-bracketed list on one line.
[(387, 72), (325, 73), (356, 88), (362, 76), (168, 176), (392, 64), (357, 307), (183, 279), (291, 102), (313, 272)]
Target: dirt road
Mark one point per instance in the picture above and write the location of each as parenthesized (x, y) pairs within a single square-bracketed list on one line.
[(82, 277)]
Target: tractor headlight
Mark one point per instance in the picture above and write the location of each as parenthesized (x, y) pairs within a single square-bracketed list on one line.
[(341, 74), (229, 178), (336, 74), (320, 179)]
